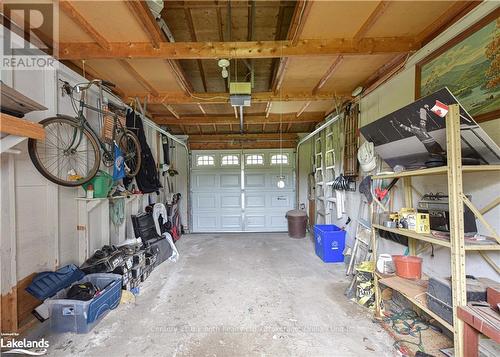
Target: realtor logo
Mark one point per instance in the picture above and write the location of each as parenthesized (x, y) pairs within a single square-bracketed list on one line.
[(29, 35), (10, 346)]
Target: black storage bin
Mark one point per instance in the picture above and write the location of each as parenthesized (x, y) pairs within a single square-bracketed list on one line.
[(439, 294)]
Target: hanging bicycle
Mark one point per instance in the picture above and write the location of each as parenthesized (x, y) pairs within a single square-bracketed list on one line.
[(71, 152)]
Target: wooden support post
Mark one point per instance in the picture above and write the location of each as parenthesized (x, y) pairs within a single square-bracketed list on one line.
[(412, 243), (456, 209), (373, 239)]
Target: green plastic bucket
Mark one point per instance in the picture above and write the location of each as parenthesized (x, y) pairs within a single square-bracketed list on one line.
[(102, 183)]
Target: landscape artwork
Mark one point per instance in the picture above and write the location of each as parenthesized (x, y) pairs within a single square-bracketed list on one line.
[(470, 69)]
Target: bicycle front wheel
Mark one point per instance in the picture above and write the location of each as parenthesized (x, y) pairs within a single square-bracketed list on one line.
[(69, 155), (131, 149)]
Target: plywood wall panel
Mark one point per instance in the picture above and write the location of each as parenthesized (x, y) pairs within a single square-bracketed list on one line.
[(112, 19), (408, 18), (117, 74), (157, 73), (329, 19), (303, 73), (205, 24), (353, 71)]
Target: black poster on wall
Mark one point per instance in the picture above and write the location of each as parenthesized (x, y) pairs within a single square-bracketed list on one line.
[(416, 134)]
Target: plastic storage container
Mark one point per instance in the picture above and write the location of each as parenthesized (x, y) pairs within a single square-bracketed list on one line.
[(81, 316), (329, 243), (297, 223), (408, 267), (48, 283)]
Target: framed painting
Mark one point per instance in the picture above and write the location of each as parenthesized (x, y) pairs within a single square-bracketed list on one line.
[(469, 65)]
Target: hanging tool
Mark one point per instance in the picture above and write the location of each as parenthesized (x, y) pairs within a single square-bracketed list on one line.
[(381, 193)]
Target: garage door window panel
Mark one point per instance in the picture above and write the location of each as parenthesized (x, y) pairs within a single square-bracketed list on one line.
[(254, 159), (230, 160), (279, 159), (205, 160)]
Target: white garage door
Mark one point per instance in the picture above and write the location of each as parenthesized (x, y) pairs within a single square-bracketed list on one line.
[(237, 191)]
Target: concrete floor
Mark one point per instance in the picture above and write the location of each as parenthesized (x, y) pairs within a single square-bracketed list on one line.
[(236, 295)]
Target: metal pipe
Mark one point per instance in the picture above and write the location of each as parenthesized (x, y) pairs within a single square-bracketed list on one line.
[(303, 140)]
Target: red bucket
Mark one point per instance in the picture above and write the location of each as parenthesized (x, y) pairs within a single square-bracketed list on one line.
[(408, 267)]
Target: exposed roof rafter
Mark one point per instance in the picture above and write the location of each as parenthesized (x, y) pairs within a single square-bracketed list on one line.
[(372, 19), (328, 74)]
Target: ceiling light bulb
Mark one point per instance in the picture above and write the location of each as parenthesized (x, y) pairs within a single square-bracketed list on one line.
[(281, 183), (224, 72)]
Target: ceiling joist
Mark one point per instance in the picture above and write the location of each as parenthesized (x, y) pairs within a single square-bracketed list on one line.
[(306, 117), (253, 49)]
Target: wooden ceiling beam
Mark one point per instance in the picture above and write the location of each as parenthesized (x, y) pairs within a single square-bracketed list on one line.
[(307, 117), (233, 50), (372, 19), (242, 137), (223, 98), (204, 4), (329, 73), (79, 19), (242, 145)]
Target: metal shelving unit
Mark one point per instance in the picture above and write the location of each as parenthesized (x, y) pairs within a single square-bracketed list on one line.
[(415, 291)]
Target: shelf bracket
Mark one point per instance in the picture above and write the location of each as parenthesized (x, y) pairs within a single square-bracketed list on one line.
[(490, 261)]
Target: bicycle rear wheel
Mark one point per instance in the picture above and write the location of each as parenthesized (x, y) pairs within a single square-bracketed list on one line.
[(69, 155), (131, 149)]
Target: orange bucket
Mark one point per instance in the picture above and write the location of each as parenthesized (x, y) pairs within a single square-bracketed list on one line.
[(408, 267)]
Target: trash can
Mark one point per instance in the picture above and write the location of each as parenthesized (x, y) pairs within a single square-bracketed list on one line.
[(297, 222)]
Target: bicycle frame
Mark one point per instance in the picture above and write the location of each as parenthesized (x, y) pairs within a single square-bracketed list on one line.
[(84, 123)]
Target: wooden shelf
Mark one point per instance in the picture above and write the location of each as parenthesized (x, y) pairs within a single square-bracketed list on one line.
[(411, 234), (434, 240), (438, 171), (416, 292), (21, 127)]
